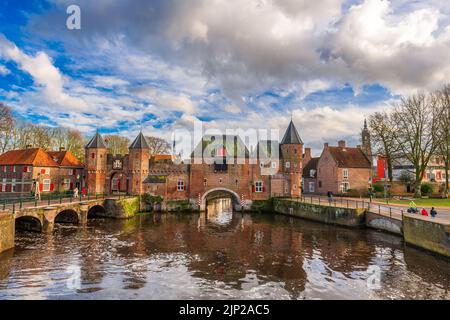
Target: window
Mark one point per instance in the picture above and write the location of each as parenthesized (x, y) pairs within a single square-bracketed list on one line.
[(345, 173), (66, 184), (312, 172), (26, 169), (287, 164), (205, 182), (258, 186), (311, 187), (92, 155), (13, 185), (180, 185), (4, 169), (45, 171), (1, 188), (46, 183), (220, 180), (320, 184), (345, 186), (14, 168)]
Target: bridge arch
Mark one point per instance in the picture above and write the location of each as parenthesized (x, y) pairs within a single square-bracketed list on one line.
[(68, 216), (96, 211), (208, 194), (28, 223)]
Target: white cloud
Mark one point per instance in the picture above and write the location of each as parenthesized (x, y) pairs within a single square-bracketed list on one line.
[(4, 70), (44, 74)]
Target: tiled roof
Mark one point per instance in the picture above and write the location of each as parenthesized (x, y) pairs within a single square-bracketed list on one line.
[(291, 136), (140, 142), (349, 157), (65, 158), (159, 157), (311, 165), (33, 157), (96, 142)]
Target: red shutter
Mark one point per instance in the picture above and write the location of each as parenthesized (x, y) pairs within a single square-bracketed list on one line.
[(42, 171), (253, 188), (25, 169), (51, 186), (93, 155), (41, 187), (71, 186), (264, 188), (184, 187), (8, 188)]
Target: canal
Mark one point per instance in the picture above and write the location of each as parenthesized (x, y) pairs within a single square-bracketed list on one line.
[(218, 255)]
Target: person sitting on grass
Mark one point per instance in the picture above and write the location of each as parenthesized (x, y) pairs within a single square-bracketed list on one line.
[(424, 212), (412, 208), (433, 212)]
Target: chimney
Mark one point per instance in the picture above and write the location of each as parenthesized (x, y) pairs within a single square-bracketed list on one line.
[(325, 145), (307, 153), (62, 149), (341, 144)]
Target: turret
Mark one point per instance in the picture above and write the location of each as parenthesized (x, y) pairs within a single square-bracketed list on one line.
[(95, 159), (292, 152), (366, 146), (139, 159)]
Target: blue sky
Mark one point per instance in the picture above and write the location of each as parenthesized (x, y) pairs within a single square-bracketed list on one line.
[(162, 65)]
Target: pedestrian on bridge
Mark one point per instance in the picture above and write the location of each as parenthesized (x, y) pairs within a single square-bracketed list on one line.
[(75, 192), (412, 208), (330, 197)]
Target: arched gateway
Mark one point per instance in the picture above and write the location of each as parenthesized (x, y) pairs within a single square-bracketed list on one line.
[(217, 192)]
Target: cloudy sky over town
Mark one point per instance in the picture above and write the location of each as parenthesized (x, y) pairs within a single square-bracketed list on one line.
[(229, 63)]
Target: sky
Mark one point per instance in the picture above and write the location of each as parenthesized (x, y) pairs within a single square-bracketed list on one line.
[(162, 65)]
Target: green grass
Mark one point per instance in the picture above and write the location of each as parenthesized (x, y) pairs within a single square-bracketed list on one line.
[(422, 202)]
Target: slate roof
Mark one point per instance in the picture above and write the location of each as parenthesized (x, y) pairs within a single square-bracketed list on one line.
[(140, 142), (311, 165), (96, 142), (229, 142), (65, 158), (349, 157), (36, 157), (291, 136)]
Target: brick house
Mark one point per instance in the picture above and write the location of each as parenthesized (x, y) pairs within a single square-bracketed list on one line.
[(24, 171), (343, 168)]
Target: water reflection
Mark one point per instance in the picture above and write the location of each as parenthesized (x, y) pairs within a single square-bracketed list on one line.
[(220, 211), (185, 256)]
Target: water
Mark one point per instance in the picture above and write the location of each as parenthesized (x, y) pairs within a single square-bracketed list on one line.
[(219, 255)]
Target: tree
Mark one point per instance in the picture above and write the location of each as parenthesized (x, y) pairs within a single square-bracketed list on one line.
[(158, 145), (443, 129), (117, 144), (6, 127), (75, 143), (413, 121), (383, 138)]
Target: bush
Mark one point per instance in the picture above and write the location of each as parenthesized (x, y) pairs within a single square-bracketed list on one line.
[(378, 188), (426, 188)]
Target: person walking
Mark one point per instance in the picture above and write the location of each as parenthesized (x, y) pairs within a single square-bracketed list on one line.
[(75, 192), (330, 197), (433, 212), (424, 212)]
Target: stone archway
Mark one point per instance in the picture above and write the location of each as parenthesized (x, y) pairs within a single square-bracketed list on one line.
[(67, 216), (234, 196), (118, 182), (28, 223), (97, 211)]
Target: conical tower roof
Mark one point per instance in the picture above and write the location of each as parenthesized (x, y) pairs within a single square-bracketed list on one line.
[(140, 142), (96, 142), (291, 136)]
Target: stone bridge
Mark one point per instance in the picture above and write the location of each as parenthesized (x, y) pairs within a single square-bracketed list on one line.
[(43, 218)]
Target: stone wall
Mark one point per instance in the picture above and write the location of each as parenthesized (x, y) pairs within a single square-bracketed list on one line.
[(6, 231), (330, 215), (380, 222), (121, 209), (427, 234)]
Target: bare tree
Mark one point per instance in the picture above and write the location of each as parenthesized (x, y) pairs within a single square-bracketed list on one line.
[(443, 129), (6, 127), (383, 137), (75, 143), (117, 144), (414, 125), (157, 145)]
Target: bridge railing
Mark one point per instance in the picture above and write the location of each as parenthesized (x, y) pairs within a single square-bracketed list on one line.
[(382, 209), (52, 199)]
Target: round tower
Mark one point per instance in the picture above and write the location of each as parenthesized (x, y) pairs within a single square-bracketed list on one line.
[(291, 160), (138, 164), (95, 158)]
